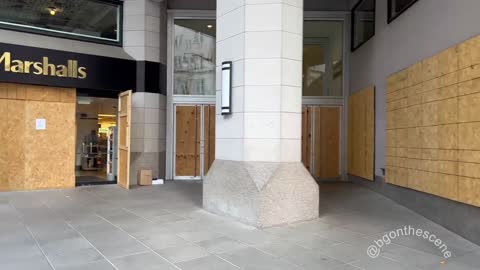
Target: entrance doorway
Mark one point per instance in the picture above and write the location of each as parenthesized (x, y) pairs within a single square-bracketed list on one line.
[(191, 95), (321, 141), (323, 120), (194, 140), (96, 142)]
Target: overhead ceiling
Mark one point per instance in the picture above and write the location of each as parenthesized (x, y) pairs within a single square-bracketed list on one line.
[(310, 5)]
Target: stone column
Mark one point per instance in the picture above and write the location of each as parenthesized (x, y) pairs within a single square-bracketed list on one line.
[(145, 39), (258, 176)]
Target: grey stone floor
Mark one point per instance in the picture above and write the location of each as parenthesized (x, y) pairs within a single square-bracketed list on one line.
[(164, 227)]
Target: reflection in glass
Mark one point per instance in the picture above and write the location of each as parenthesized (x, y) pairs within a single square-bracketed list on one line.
[(194, 57), (323, 58), (79, 19)]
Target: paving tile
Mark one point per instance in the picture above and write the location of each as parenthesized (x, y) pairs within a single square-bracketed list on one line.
[(221, 245), (63, 245), (98, 265), (198, 236), (37, 262), (162, 240), (251, 258), (183, 253), (207, 263), (305, 258), (382, 263), (74, 257), (340, 235), (144, 261)]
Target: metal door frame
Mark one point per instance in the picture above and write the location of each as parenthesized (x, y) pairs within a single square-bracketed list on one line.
[(202, 142), (178, 100), (340, 101)]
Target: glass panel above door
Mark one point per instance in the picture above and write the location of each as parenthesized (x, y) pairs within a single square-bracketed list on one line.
[(194, 57), (323, 59)]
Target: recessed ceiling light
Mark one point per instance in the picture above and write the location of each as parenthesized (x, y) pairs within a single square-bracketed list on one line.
[(52, 11), (209, 26)]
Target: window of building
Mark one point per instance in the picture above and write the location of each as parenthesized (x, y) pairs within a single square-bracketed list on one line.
[(88, 20), (194, 57), (397, 7), (363, 22), (323, 58)]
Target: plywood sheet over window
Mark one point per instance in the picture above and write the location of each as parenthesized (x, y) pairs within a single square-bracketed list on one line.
[(31, 158), (433, 125), (361, 133)]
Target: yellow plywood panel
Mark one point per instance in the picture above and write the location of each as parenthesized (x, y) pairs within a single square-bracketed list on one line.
[(469, 169), (430, 138), (68, 95), (469, 156), (35, 92), (448, 79), (469, 52), (3, 90), (448, 136), (447, 167), (430, 114), (447, 61), (29, 154), (362, 128), (448, 111), (415, 74), (448, 155), (15, 143), (440, 93), (469, 190), (469, 109), (469, 87), (430, 68), (4, 183), (470, 136), (469, 73), (446, 186), (11, 91), (54, 146)]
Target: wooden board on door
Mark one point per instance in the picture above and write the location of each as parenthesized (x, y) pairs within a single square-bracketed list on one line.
[(326, 142), (124, 120), (187, 141), (209, 137)]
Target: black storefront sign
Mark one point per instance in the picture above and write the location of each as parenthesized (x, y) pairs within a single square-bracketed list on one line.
[(31, 65)]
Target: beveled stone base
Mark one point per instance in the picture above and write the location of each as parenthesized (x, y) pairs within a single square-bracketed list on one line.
[(262, 194)]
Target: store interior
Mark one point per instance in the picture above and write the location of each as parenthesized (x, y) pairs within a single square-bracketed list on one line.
[(95, 159)]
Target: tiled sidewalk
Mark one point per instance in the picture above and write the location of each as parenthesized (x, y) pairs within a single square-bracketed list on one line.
[(164, 227)]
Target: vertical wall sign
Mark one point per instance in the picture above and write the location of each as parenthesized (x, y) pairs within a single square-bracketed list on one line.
[(226, 88)]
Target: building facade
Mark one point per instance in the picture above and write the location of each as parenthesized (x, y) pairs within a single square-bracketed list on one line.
[(375, 92)]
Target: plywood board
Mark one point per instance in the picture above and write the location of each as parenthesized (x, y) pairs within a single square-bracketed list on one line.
[(327, 142), (123, 148), (447, 136), (4, 183), (50, 159), (361, 130), (209, 137), (28, 154), (186, 143)]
